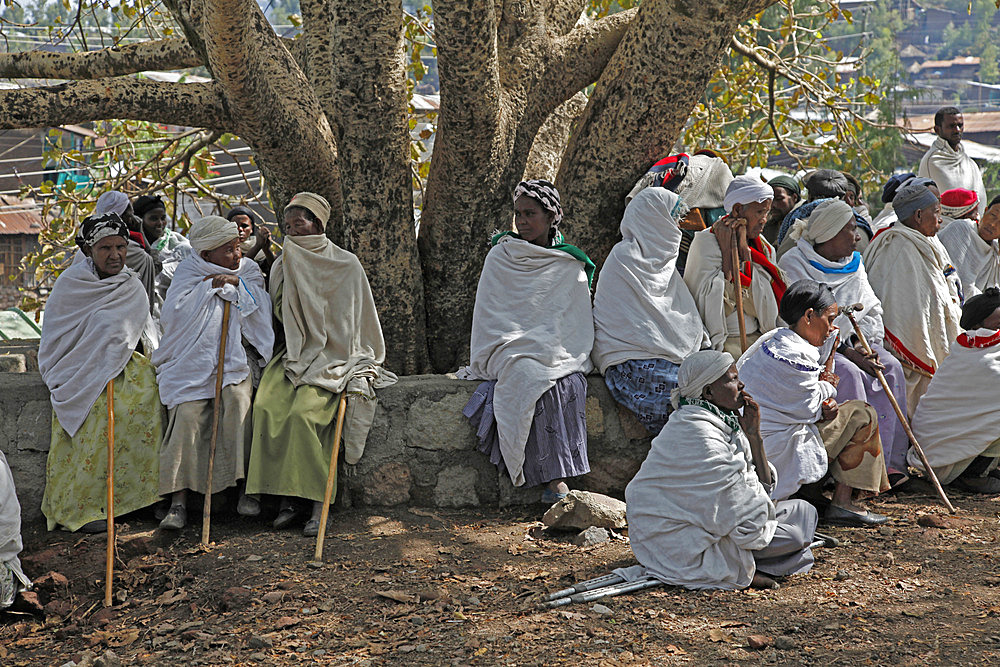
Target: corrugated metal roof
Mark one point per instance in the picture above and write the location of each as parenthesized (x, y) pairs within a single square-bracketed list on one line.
[(19, 216), (976, 121)]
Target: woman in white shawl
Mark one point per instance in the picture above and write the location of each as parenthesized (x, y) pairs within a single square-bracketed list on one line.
[(958, 419), (166, 246), (532, 335), (921, 293), (699, 514), (187, 365), (973, 248), (645, 320), (138, 256), (709, 272), (333, 344), (806, 433), (94, 319), (12, 579), (825, 251)]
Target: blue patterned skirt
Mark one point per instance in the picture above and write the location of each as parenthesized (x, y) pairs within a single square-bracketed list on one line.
[(557, 442), (644, 386)]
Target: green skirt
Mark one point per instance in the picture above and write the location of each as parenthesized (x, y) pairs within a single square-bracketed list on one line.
[(293, 432), (76, 470)]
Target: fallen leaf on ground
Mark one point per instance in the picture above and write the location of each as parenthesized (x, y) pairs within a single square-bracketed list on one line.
[(398, 596), (717, 635)]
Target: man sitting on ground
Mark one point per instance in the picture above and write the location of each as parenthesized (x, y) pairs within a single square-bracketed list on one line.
[(699, 513)]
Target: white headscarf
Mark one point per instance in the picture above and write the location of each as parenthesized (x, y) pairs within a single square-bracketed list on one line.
[(700, 369), (825, 222), (111, 201), (746, 189), (212, 232)]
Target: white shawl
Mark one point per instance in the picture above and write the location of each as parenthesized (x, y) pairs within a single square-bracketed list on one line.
[(848, 288), (959, 416), (884, 219), (921, 305), (642, 308), (781, 372), (696, 508), (188, 356), (91, 327), (950, 169), (10, 525), (531, 326), (703, 276), (977, 262)]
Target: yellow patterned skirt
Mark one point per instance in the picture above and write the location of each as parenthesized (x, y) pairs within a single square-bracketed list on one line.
[(76, 471)]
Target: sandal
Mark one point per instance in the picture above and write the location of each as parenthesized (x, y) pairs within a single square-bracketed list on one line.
[(841, 516), (311, 528), (285, 517), (989, 485), (176, 518)]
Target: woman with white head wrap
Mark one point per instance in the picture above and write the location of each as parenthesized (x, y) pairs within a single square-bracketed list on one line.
[(96, 319), (333, 344), (825, 251), (709, 274), (645, 320), (187, 361), (699, 514)]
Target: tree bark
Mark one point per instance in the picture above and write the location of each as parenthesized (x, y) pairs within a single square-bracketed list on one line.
[(638, 108), (162, 54)]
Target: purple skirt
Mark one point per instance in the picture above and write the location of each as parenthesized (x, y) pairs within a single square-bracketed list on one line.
[(855, 384), (557, 442)]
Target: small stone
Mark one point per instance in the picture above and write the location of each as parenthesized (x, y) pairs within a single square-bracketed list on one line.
[(273, 596), (109, 659), (582, 509), (417, 620), (591, 537), (253, 558), (888, 559), (784, 643), (602, 610), (308, 611), (422, 648), (237, 597), (935, 521), (286, 585), (259, 657), (104, 615), (842, 575), (68, 631), (758, 642), (58, 608), (885, 530), (315, 564), (473, 601), (318, 652), (257, 641), (164, 629)]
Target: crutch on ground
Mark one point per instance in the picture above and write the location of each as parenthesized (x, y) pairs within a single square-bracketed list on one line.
[(206, 514), (849, 311), (593, 590), (109, 564), (331, 476)]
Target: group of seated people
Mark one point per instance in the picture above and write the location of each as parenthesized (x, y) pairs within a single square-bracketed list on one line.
[(104, 350)]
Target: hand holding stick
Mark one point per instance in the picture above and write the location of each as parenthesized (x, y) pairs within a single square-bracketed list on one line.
[(109, 565), (849, 311), (206, 514)]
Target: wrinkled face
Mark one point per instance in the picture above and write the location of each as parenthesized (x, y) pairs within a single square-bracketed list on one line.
[(989, 226), (842, 245), (927, 221), (726, 392), (531, 221), (154, 222), (298, 223), (227, 256), (951, 129), (108, 255), (783, 202), (815, 326), (755, 214), (245, 225)]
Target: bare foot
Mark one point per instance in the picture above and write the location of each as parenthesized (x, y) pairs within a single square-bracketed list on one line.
[(761, 581)]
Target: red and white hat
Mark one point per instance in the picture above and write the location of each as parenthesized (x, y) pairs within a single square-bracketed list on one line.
[(958, 203)]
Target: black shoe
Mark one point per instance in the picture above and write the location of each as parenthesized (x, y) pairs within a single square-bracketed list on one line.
[(839, 516)]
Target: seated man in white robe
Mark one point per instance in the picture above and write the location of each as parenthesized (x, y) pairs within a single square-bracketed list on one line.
[(187, 362), (958, 419), (921, 294), (699, 513), (972, 245)]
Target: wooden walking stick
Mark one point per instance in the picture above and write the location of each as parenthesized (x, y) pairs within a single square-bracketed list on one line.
[(206, 514), (737, 238), (849, 311), (331, 475), (109, 565)]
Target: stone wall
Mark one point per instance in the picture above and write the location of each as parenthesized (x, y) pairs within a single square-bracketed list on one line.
[(420, 451)]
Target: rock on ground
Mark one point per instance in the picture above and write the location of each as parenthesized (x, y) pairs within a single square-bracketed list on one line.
[(582, 509), (592, 536)]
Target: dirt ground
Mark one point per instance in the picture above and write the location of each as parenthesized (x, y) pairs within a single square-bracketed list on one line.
[(422, 587)]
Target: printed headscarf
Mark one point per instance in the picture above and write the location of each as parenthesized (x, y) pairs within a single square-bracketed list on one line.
[(97, 227), (544, 193)]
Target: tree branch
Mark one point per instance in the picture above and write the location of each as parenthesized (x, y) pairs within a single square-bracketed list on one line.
[(562, 15), (467, 60), (584, 52), (187, 104), (164, 54)]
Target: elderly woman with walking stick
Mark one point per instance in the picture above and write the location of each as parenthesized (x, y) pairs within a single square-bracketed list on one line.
[(97, 327), (211, 282), (333, 345)]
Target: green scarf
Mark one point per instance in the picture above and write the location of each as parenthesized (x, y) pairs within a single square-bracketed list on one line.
[(730, 418), (558, 243)]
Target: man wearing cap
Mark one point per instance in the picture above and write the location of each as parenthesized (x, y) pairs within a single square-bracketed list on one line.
[(709, 269), (823, 184), (921, 294), (699, 510), (333, 344), (187, 361), (787, 195), (972, 243), (946, 161)]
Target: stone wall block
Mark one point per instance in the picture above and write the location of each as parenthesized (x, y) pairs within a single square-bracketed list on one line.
[(432, 424), (456, 487)]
